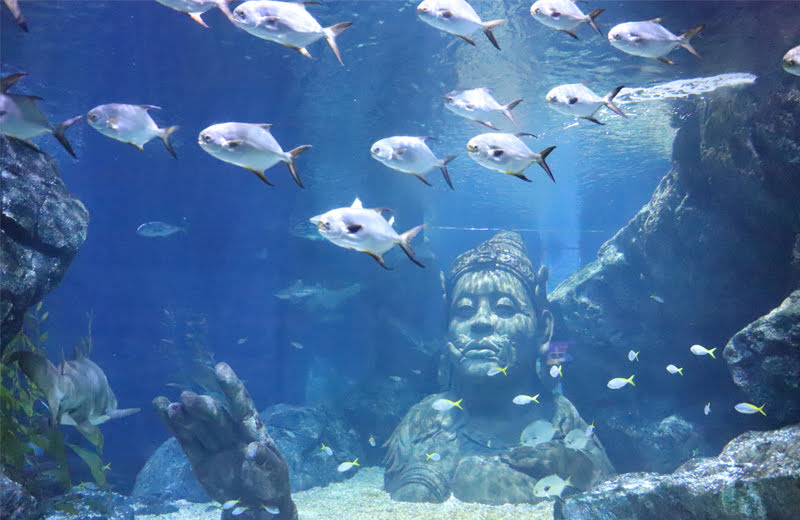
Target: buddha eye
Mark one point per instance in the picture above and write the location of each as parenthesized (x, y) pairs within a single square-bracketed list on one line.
[(505, 307), (464, 308)]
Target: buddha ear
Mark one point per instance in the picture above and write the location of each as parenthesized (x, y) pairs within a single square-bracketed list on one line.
[(546, 318)]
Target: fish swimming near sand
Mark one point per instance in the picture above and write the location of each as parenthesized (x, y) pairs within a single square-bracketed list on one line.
[(21, 117), (77, 391), (194, 9), (130, 124)]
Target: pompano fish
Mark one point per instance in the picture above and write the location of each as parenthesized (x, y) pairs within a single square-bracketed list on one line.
[(456, 17), (410, 155), (506, 153), (21, 117), (791, 61), (194, 9), (130, 124), (551, 486), (13, 6), (576, 439), (287, 23), (650, 39), (538, 432), (77, 391), (563, 15), (250, 146), (158, 229), (578, 100), (365, 230), (478, 105)]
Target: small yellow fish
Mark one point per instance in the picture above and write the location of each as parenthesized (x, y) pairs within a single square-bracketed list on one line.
[(657, 299), (555, 371), (371, 441), (433, 456), (619, 382), (748, 408), (446, 404), (327, 449), (672, 369), (525, 399), (699, 350), (590, 430), (346, 466), (230, 504), (496, 370)]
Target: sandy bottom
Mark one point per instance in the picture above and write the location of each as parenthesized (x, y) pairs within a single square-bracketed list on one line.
[(362, 498)]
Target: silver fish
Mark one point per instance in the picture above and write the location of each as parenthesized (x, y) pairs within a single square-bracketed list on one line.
[(551, 486), (130, 124), (507, 153), (13, 6), (365, 230), (21, 117), (538, 432), (650, 39), (287, 23), (77, 390), (478, 105), (576, 439), (250, 146), (456, 17), (578, 100), (563, 15), (317, 296), (791, 61), (410, 155), (194, 9), (158, 229)]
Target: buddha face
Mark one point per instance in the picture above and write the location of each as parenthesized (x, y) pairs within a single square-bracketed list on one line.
[(492, 323)]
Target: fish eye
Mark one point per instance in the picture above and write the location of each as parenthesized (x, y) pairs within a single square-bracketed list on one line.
[(92, 117), (538, 10), (497, 153), (448, 99), (240, 14), (551, 99), (206, 138)]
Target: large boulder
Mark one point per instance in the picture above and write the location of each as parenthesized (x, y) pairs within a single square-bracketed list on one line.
[(16, 503), (764, 360), (41, 230), (167, 474), (709, 253), (756, 477)]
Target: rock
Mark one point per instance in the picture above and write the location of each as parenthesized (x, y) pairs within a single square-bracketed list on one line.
[(41, 230), (16, 503), (757, 476), (726, 212), (764, 360), (297, 431), (168, 474), (90, 504)]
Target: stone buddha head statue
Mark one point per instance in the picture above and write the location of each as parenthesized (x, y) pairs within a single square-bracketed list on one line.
[(497, 312)]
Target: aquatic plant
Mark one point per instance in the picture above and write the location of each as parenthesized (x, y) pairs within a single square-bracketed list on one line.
[(23, 432), (186, 342)]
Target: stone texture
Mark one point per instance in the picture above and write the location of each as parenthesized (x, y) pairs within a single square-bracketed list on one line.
[(764, 360), (168, 474), (757, 476), (90, 503), (41, 230), (715, 244), (15, 502)]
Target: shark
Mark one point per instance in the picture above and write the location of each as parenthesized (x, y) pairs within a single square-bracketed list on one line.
[(317, 296), (77, 390)]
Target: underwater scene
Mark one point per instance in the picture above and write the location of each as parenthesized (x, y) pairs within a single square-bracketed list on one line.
[(387, 259)]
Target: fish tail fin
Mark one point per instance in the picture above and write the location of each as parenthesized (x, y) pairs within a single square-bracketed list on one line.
[(711, 353), (509, 107), (45, 375), (608, 101), (60, 133), (680, 371), (292, 156), (630, 380), (330, 35), (445, 173), (405, 244), (591, 16), (197, 17), (457, 404), (487, 29), (165, 133), (761, 409), (688, 35), (225, 8), (124, 412), (543, 155)]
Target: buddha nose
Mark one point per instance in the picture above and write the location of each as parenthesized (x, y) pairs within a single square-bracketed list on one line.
[(482, 321)]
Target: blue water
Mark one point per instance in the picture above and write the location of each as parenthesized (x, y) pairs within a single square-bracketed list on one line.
[(239, 249)]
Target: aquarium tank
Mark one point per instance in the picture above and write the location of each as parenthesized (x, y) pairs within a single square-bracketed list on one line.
[(389, 259)]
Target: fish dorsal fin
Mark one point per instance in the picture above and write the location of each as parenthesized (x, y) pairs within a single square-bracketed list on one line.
[(381, 210), (655, 20), (266, 126), (148, 107), (391, 221), (525, 134), (426, 137), (6, 82), (357, 204)]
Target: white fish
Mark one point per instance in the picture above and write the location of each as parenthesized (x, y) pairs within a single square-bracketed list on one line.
[(347, 466), (250, 146), (496, 370), (555, 371), (327, 449), (699, 350), (195, 8), (446, 404), (410, 155), (21, 117), (230, 504), (297, 345), (525, 399), (633, 356), (396, 379), (748, 408), (456, 17), (619, 382), (506, 153), (791, 61), (365, 230), (287, 23), (550, 486), (563, 15), (538, 432), (433, 456), (130, 124), (158, 229), (239, 510), (578, 100), (271, 510), (707, 409), (576, 439), (650, 39), (672, 369), (371, 441), (478, 105), (590, 430)]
